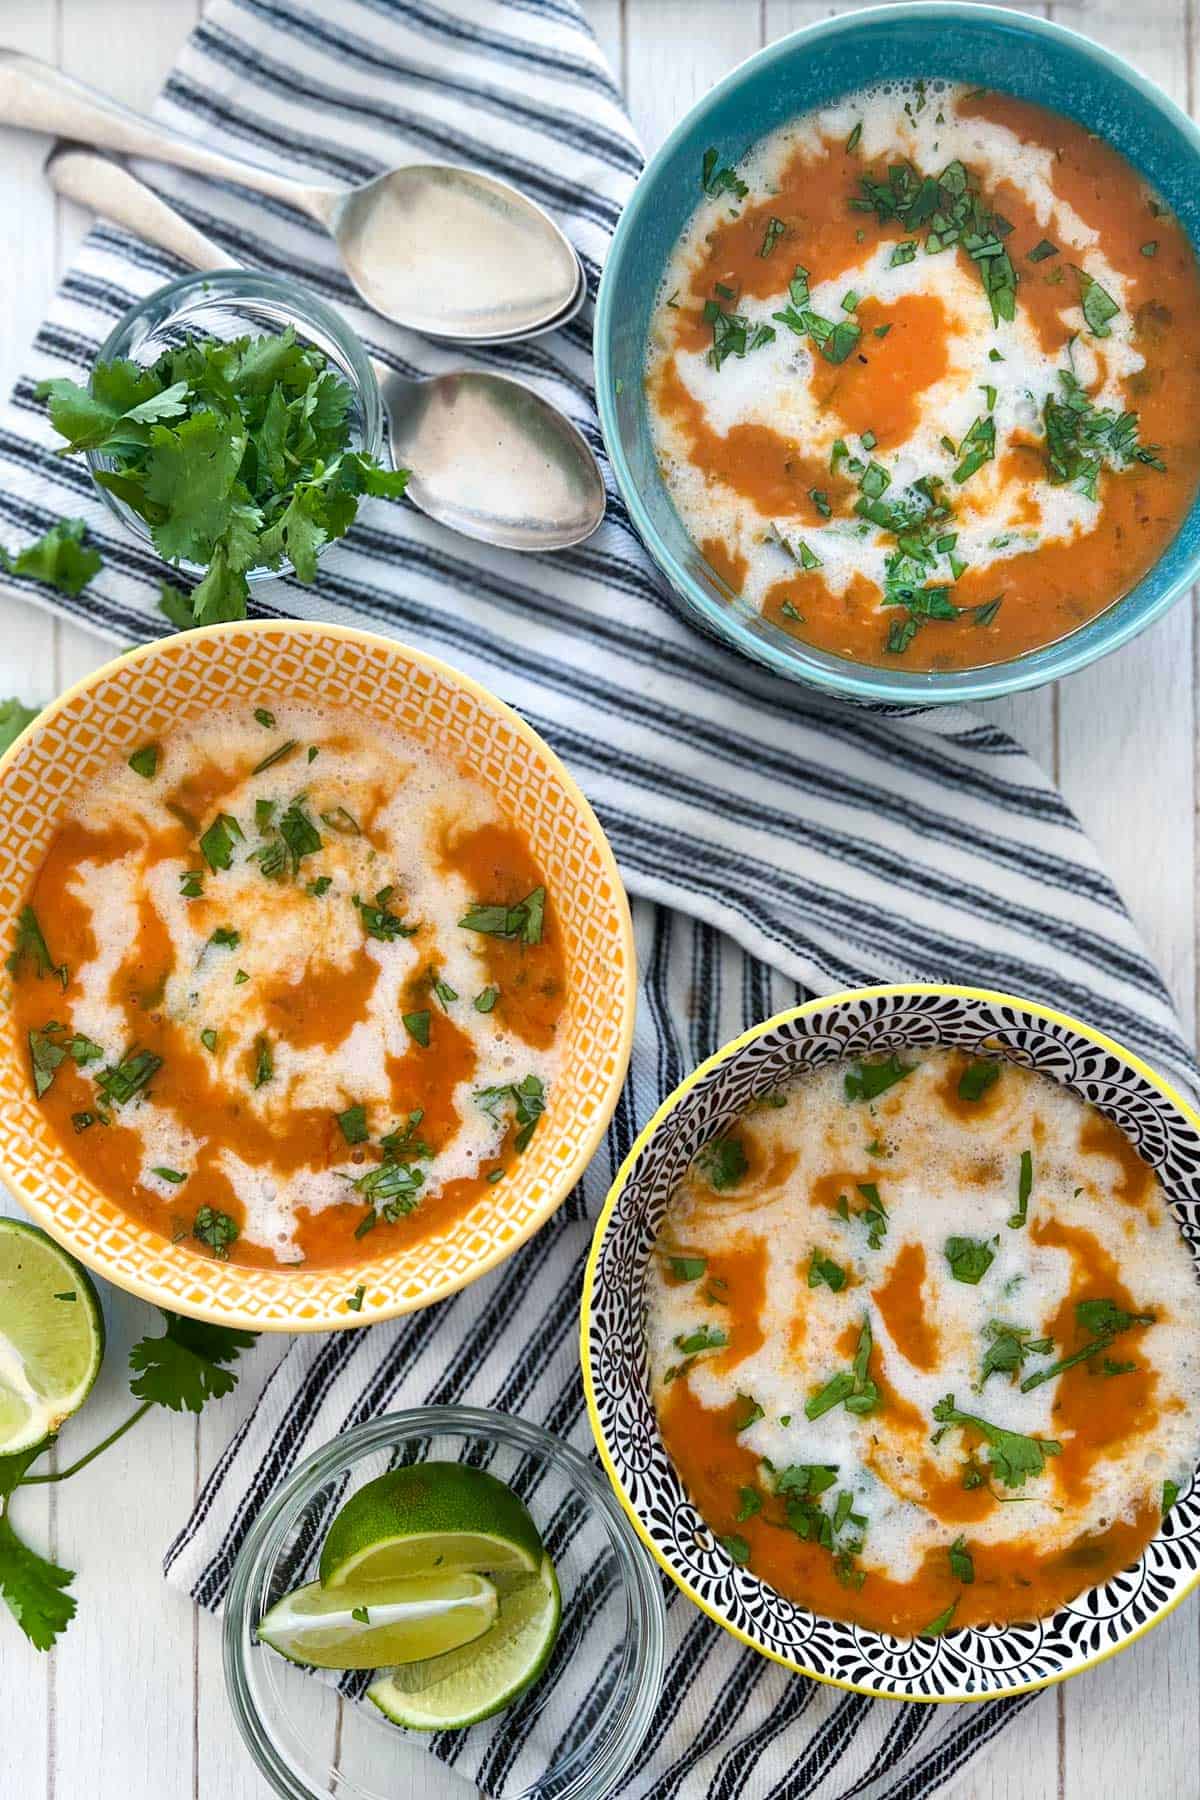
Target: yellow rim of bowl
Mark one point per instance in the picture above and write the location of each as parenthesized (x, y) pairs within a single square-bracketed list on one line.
[(562, 1183), (888, 990)]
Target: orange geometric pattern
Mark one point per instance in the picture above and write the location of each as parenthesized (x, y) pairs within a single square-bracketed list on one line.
[(144, 695)]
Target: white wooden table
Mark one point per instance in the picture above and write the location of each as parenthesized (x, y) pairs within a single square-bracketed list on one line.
[(131, 1704)]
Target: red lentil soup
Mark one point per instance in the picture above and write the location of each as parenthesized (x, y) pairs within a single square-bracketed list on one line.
[(924, 1343), (924, 377), (287, 982)]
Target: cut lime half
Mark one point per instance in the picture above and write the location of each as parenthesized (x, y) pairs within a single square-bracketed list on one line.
[(51, 1336), (480, 1679), (347, 1628), (426, 1518)]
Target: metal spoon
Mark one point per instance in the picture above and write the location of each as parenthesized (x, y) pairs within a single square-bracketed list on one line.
[(444, 250), (489, 457)]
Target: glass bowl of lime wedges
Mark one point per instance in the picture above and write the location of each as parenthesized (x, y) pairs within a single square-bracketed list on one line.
[(439, 1597)]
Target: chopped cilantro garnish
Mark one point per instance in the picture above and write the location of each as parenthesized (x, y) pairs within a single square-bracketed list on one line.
[(733, 333), (265, 719), (1098, 305), (749, 1503), (737, 1549), (824, 1272), (216, 845), (961, 1565), (937, 1626), (486, 999), (417, 1026), (1041, 251), (1106, 1320), (1008, 1346), (867, 1080), (378, 919), (747, 1412), (215, 1229), (722, 1163), (1011, 1456), (275, 756), (29, 946), (123, 1080), (208, 1038), (353, 1124), (174, 1176), (951, 210), (716, 178), (144, 762), (528, 1098), (1081, 439), (969, 1259), (851, 1388), (775, 230), (705, 1337), (1150, 248), (524, 920), (299, 834), (687, 1268), (978, 447), (264, 1061), (1024, 1189)]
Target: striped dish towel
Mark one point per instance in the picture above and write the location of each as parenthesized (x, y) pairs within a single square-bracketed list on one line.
[(777, 846)]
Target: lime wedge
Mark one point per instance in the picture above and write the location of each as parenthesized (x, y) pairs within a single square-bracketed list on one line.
[(478, 1680), (51, 1336), (433, 1516), (347, 1628)]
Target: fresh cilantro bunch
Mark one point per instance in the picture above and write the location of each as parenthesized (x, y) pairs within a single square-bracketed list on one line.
[(236, 454), (182, 1369)]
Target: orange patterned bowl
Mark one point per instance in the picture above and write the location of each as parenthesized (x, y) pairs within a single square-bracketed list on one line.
[(143, 695)]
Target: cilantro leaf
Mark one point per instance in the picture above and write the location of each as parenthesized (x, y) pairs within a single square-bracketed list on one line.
[(969, 1259), (525, 920), (722, 1163), (58, 558), (186, 1367), (1098, 305), (1008, 1346), (33, 1589), (977, 1078), (14, 717), (867, 1080)]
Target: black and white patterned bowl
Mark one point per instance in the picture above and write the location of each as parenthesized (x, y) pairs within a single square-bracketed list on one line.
[(972, 1663)]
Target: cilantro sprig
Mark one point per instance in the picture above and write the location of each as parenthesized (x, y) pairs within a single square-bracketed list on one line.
[(235, 454), (184, 1368), (1012, 1456)]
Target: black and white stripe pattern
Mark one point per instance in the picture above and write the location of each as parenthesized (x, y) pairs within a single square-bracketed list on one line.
[(778, 845)]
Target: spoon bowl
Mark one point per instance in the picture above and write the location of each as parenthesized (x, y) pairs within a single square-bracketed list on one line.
[(491, 460), (455, 254)]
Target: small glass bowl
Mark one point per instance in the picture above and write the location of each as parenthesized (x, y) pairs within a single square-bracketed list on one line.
[(311, 1738), (237, 303)]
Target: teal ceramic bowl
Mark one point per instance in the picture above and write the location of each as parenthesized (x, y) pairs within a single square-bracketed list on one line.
[(987, 47)]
